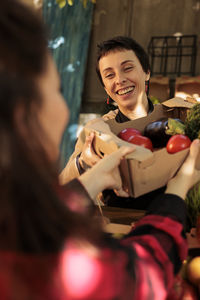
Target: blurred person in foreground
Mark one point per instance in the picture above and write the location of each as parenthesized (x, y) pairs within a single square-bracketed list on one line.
[(51, 246)]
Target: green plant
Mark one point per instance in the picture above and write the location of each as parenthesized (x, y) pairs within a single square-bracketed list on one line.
[(62, 3), (193, 204), (191, 126), (154, 99), (192, 122)]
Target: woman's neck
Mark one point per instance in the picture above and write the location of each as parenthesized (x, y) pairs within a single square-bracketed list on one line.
[(140, 110)]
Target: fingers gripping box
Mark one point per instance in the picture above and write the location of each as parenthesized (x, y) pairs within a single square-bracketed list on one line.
[(142, 171)]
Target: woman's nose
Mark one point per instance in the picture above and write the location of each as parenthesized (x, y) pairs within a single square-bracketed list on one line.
[(120, 78)]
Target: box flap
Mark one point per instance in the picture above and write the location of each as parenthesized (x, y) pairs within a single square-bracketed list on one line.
[(98, 124), (106, 143), (178, 102)]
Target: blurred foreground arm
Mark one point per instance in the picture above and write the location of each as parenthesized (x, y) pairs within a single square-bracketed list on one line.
[(105, 174)]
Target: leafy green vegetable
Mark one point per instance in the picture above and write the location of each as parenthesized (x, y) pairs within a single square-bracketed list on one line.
[(192, 130), (175, 127), (193, 204), (192, 122), (154, 100), (191, 127)]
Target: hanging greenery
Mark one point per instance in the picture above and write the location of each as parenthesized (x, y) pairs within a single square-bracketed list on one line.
[(193, 204), (62, 3)]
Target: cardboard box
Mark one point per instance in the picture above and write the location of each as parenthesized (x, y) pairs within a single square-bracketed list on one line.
[(142, 171)]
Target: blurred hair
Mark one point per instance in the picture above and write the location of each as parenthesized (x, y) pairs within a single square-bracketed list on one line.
[(23, 39), (121, 43), (32, 217)]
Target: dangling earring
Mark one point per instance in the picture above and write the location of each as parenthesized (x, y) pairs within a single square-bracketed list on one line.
[(108, 100), (147, 87)]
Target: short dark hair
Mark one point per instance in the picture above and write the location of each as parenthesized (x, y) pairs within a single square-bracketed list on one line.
[(122, 43)]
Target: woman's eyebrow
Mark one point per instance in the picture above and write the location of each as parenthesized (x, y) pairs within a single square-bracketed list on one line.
[(122, 63), (107, 69), (127, 61)]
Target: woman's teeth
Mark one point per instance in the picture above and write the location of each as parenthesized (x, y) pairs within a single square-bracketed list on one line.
[(125, 91)]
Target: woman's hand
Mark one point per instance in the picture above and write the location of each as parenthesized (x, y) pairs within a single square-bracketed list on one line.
[(88, 156), (188, 175), (105, 174)]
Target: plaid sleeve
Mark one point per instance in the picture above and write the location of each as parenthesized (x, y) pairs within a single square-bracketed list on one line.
[(160, 245), (140, 266)]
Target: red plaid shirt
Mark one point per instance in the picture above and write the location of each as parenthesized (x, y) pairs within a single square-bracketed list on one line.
[(140, 266)]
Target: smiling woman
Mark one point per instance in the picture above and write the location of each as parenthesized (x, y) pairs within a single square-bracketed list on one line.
[(124, 71)]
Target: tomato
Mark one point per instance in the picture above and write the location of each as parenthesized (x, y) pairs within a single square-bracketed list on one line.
[(177, 143), (141, 140), (127, 133)]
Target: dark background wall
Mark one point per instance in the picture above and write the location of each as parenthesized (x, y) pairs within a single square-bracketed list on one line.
[(139, 19)]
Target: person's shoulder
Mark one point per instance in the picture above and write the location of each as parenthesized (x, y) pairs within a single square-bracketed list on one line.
[(110, 115)]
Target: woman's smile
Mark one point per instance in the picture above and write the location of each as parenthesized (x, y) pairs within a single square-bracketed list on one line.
[(126, 90)]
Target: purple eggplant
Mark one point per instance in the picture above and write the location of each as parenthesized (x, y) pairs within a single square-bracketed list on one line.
[(156, 132)]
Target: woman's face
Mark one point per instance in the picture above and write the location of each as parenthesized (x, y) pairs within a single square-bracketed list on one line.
[(123, 78), (53, 114)]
